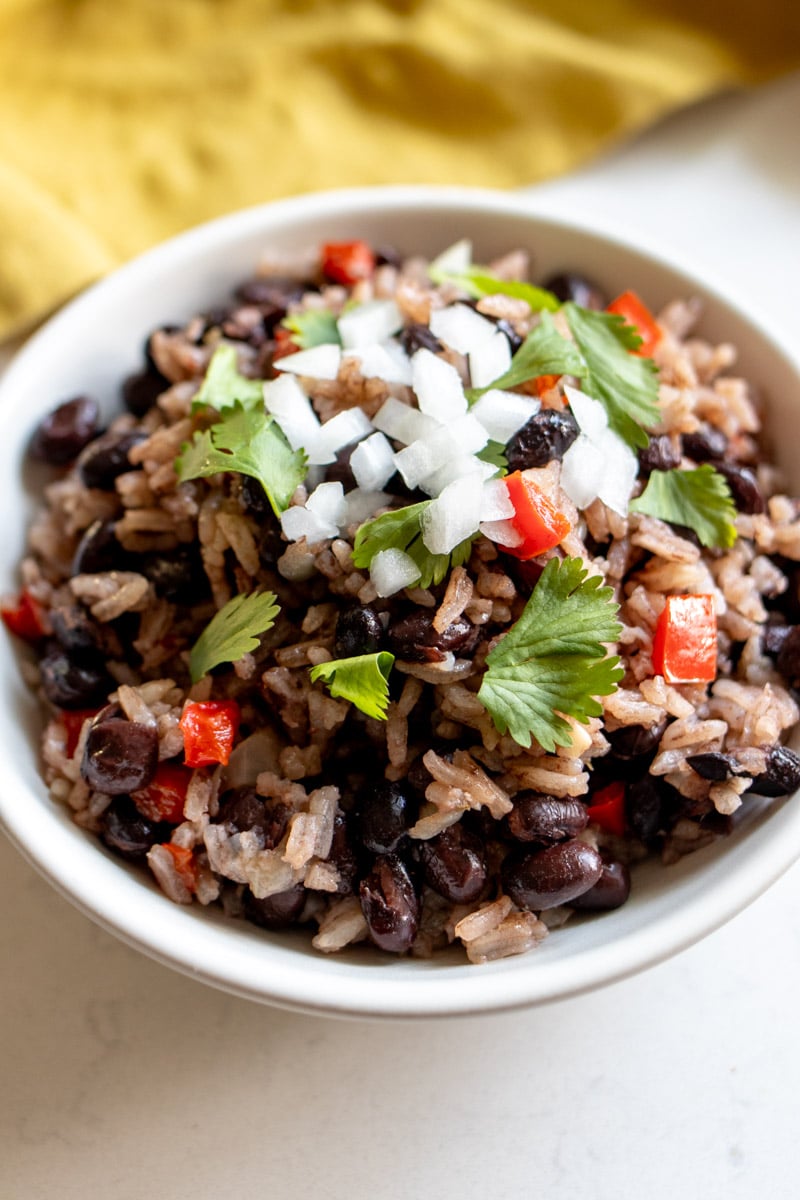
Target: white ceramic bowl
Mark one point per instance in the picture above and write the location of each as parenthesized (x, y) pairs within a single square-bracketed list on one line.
[(89, 347)]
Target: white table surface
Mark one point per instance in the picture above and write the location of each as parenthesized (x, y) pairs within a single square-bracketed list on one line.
[(123, 1080)]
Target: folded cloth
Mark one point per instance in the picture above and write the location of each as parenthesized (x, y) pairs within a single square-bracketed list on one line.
[(124, 123)]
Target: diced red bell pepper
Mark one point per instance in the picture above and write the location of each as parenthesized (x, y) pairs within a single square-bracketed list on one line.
[(209, 729), (284, 342), (541, 525), (685, 640), (184, 864), (543, 383), (607, 808), (24, 619), (347, 262), (636, 313), (164, 797), (72, 719)]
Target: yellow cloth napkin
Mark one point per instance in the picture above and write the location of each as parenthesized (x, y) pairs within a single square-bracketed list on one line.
[(122, 123)]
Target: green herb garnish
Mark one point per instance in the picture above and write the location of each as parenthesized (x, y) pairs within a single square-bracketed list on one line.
[(363, 680), (314, 327), (478, 282), (494, 453), (401, 529), (553, 660), (224, 385), (544, 352), (625, 384), (233, 631), (248, 441), (699, 499)]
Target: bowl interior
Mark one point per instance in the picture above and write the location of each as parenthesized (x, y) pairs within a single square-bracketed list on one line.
[(89, 347)]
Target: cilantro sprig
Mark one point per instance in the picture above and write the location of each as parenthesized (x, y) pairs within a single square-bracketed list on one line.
[(401, 529), (362, 679), (478, 282), (224, 385), (553, 660), (233, 631), (314, 327), (699, 499), (544, 352), (248, 441)]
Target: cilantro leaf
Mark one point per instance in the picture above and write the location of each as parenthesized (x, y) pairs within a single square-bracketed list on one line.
[(401, 529), (700, 499), (363, 680), (544, 352), (223, 385), (233, 631), (553, 660), (478, 282), (314, 327), (494, 453), (625, 384), (250, 442)]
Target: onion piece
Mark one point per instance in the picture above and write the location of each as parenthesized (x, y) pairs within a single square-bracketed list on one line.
[(461, 328), (458, 468), (348, 426), (393, 570), (438, 387), (369, 323), (496, 503), (502, 532), (377, 362), (455, 260), (361, 505), (502, 414), (320, 362), (299, 522), (582, 471), (256, 753), (589, 413), (424, 456), (401, 422), (285, 399), (372, 462), (327, 504), (489, 360), (620, 468), (452, 517)]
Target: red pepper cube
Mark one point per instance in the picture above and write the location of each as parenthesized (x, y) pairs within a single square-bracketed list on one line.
[(184, 864), (164, 797), (535, 518), (347, 262), (608, 808), (543, 383), (24, 619), (209, 729), (636, 313), (685, 640)]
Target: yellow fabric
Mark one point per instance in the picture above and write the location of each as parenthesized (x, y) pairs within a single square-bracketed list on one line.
[(124, 121)]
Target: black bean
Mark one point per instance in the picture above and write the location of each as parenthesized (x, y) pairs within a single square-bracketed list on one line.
[(62, 434), (539, 818), (788, 658), (455, 865), (744, 487), (130, 835), (545, 437), (569, 285), (782, 776), (414, 638), (273, 294), (119, 756), (276, 911), (179, 576), (552, 876), (419, 337), (644, 803), (390, 904), (75, 630), (70, 684), (98, 550), (611, 890), (387, 256), (107, 457), (358, 631), (386, 813), (252, 496), (245, 810), (631, 741), (514, 339), (343, 854), (246, 324), (706, 445), (714, 765), (660, 454), (774, 636), (140, 391)]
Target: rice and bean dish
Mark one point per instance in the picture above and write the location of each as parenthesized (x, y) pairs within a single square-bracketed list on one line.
[(411, 602)]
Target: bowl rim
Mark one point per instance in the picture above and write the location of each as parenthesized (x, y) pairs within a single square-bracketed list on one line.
[(167, 932)]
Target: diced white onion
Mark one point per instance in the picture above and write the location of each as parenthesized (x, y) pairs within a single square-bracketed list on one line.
[(298, 522), (392, 570), (452, 517), (461, 328), (378, 362), (369, 323), (582, 471), (588, 412), (346, 427), (327, 503), (490, 360), (424, 456), (457, 468), (502, 532), (372, 462), (320, 362), (438, 386), (455, 260), (291, 408), (620, 468), (363, 505), (495, 501), (401, 422), (502, 414)]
